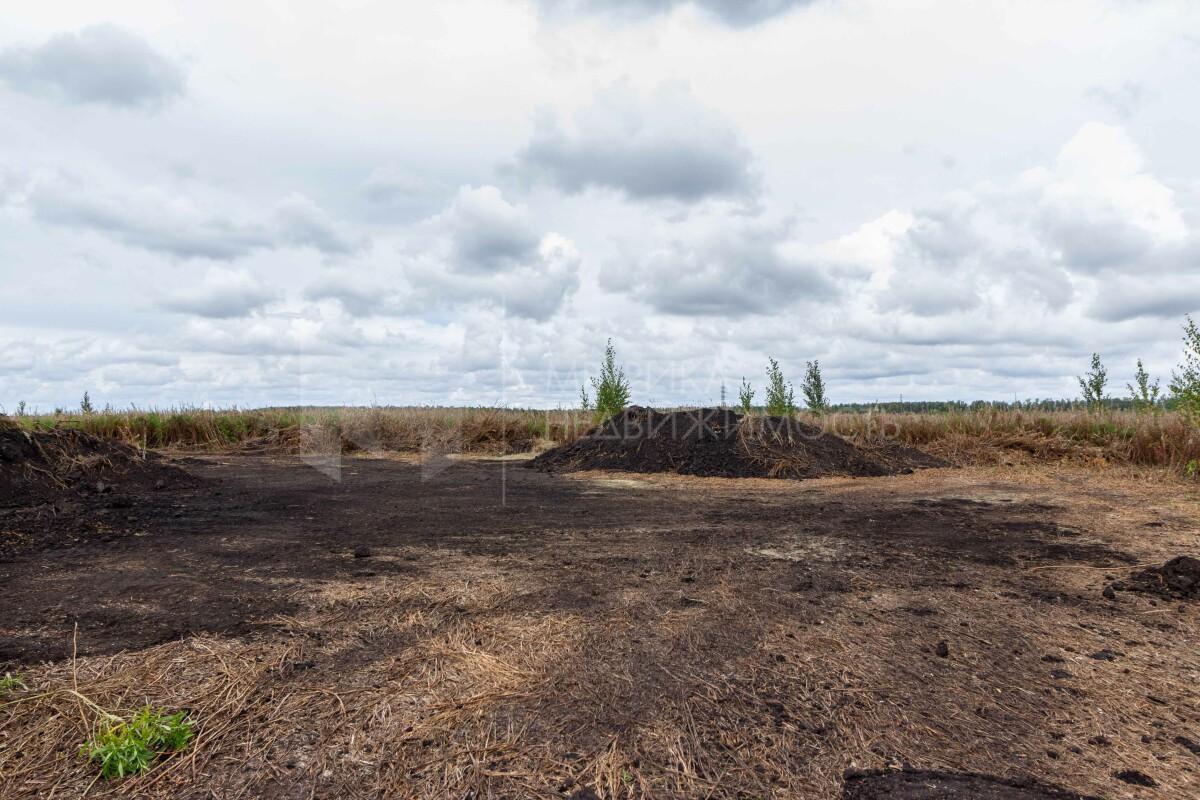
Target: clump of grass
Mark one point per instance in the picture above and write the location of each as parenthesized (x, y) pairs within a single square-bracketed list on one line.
[(12, 683), (129, 747)]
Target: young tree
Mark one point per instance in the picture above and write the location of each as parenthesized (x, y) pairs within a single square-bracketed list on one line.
[(781, 399), (585, 402), (745, 396), (813, 388), (611, 389), (1092, 385), (85, 405), (1145, 393), (1185, 384)]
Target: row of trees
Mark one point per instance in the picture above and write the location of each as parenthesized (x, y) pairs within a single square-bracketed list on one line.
[(1147, 394), (611, 390), (781, 397)]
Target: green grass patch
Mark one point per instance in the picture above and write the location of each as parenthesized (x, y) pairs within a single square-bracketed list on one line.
[(12, 683), (129, 747)]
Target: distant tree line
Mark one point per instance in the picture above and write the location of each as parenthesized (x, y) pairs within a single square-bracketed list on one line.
[(611, 391)]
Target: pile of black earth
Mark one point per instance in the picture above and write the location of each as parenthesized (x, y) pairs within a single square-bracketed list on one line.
[(716, 442)]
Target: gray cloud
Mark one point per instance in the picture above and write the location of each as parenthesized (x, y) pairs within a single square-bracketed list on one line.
[(738, 13), (1169, 298), (99, 64), (358, 297), (663, 146), (718, 265), (480, 250), (1091, 242), (486, 232), (159, 221), (222, 294), (300, 222), (928, 294)]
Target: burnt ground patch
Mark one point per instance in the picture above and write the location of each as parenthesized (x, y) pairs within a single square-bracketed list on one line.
[(931, 785), (230, 558), (518, 634)]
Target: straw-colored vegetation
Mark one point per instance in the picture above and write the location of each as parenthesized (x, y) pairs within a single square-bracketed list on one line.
[(1159, 439)]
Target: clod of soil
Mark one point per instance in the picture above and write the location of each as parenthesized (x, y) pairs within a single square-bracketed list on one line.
[(1135, 778), (1178, 579), (61, 486), (913, 784), (716, 442)]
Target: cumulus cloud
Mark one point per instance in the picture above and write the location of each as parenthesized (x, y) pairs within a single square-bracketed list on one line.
[(357, 294), (291, 334), (299, 222), (665, 145), (1098, 206), (99, 64), (1093, 216), (154, 219), (485, 231), (738, 13), (716, 262), (221, 294), (1126, 298), (481, 249)]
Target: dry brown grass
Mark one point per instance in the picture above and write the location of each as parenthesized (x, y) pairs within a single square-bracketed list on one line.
[(1162, 439)]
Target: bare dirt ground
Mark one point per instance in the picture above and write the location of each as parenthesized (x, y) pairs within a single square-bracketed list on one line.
[(489, 631)]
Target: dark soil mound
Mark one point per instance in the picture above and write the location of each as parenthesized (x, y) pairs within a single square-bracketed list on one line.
[(64, 486), (721, 443), (913, 784), (1178, 579)]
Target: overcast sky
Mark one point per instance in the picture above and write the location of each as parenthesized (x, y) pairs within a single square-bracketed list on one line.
[(458, 202)]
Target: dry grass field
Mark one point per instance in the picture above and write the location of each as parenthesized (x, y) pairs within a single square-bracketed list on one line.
[(1122, 437)]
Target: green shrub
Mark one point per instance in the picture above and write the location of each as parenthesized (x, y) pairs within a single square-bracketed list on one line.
[(1144, 393), (781, 400), (1092, 384), (813, 388), (129, 747), (611, 389), (745, 396), (1185, 384)]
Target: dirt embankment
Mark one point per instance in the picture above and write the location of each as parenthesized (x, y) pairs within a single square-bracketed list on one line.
[(715, 442), (64, 487)]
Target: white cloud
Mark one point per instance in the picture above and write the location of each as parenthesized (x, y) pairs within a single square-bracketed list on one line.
[(221, 293), (480, 250), (718, 261), (706, 182), (157, 219)]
